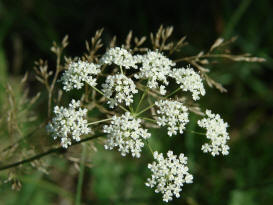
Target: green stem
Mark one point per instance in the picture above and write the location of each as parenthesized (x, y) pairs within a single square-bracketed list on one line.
[(81, 174), (131, 109), (96, 89), (142, 98), (144, 110), (148, 119), (150, 148), (172, 93), (99, 121), (121, 70), (199, 133), (147, 108)]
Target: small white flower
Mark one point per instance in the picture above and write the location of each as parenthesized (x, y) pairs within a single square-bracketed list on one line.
[(155, 67), (119, 89), (125, 133), (120, 57), (169, 175), (173, 114), (216, 133), (189, 80), (68, 123), (78, 73)]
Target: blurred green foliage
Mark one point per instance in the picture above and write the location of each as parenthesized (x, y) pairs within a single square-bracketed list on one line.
[(27, 29)]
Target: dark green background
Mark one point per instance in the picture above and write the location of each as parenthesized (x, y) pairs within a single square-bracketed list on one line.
[(245, 177)]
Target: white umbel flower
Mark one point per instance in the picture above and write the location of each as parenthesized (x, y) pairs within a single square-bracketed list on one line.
[(69, 123), (119, 88), (155, 67), (78, 73), (216, 133), (169, 175), (125, 133), (120, 57), (173, 114), (189, 80)]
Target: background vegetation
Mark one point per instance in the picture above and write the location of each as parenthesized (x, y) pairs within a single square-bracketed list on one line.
[(27, 29)]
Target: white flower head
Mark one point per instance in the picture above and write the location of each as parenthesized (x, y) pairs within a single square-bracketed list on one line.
[(216, 133), (119, 89), (189, 80), (120, 57), (173, 114), (169, 175), (78, 73), (69, 123), (155, 67), (125, 133)]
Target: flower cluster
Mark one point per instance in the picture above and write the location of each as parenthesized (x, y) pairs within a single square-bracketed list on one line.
[(216, 133), (125, 133), (120, 57), (173, 114), (118, 89), (189, 80), (169, 175), (156, 68), (68, 123), (78, 73)]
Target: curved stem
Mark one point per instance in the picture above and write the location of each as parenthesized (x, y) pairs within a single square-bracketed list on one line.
[(54, 150)]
